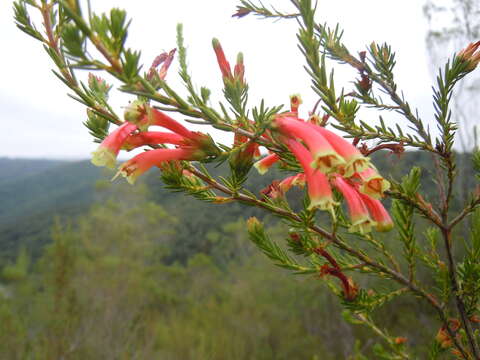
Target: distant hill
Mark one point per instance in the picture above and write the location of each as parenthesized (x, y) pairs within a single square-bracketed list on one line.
[(34, 192), (13, 169)]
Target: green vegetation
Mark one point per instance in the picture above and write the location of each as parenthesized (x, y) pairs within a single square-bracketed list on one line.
[(106, 287), (141, 275)]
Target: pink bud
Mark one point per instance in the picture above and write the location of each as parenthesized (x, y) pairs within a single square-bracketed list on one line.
[(470, 55), (239, 69), (222, 60)]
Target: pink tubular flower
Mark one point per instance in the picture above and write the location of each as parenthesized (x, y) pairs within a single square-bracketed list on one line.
[(159, 118), (143, 162), (266, 163), (319, 189), (152, 138), (294, 180), (361, 221), (325, 158), (355, 161), (222, 60), (378, 213), (106, 153), (373, 184)]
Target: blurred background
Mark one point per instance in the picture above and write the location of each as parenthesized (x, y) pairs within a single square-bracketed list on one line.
[(93, 269)]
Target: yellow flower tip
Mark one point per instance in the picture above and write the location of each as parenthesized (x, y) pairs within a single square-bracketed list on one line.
[(375, 186), (324, 203), (356, 164), (104, 157), (261, 168), (327, 162), (129, 171), (384, 227), (362, 225)]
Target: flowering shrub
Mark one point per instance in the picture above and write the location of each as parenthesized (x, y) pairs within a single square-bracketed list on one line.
[(326, 154)]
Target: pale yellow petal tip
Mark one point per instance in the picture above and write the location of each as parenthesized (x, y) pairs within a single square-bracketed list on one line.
[(130, 177), (363, 226), (375, 187), (326, 204), (327, 162), (104, 157), (384, 227), (356, 164), (262, 169)]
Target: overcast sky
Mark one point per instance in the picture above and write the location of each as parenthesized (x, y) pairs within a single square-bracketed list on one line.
[(40, 121)]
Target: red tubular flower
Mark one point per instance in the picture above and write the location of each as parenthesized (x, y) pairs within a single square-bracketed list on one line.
[(266, 163), (159, 118), (319, 189), (378, 213), (294, 180), (361, 221), (355, 161), (106, 153), (143, 162), (222, 60), (373, 184), (152, 138), (325, 158)]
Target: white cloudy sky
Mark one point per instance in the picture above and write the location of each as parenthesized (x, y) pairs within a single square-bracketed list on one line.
[(39, 120)]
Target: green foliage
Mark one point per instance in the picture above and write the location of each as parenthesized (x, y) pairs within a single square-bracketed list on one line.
[(403, 217), (86, 248)]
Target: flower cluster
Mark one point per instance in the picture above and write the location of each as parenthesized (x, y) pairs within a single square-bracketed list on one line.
[(134, 134), (328, 160)]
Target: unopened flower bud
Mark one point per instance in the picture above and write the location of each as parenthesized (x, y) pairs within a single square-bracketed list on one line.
[(470, 56), (295, 102)]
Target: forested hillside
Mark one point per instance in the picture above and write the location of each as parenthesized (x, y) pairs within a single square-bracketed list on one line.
[(139, 272), (36, 191)]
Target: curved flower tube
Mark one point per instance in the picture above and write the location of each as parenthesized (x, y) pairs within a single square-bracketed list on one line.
[(325, 158), (152, 138), (143, 162), (359, 215), (378, 213), (319, 189), (107, 152), (372, 183), (355, 161), (263, 165)]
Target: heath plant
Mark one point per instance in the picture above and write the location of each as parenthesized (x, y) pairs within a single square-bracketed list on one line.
[(336, 232)]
